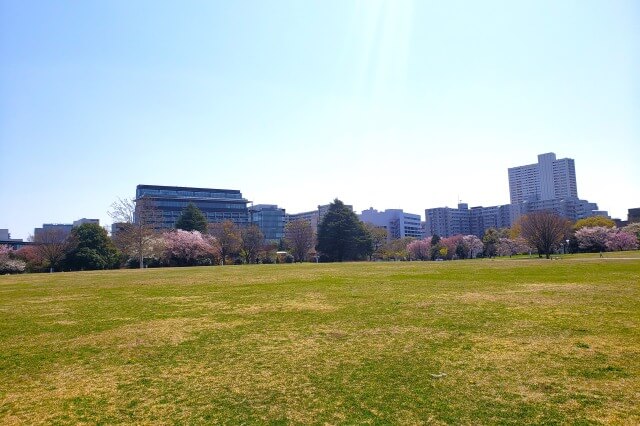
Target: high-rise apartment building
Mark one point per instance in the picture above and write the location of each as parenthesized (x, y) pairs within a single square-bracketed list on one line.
[(217, 205), (397, 223), (550, 184), (547, 179)]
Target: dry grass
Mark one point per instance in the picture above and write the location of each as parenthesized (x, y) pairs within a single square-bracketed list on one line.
[(410, 343)]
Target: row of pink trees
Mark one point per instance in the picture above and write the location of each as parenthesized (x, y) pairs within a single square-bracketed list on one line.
[(601, 238), (454, 247)]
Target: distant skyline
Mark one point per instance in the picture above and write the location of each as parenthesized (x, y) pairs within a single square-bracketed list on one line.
[(384, 104)]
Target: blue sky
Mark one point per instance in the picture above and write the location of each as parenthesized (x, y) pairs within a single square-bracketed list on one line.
[(384, 104)]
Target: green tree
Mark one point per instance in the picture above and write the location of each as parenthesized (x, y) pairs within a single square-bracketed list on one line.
[(91, 248), (192, 219), (593, 221), (342, 236), (490, 240)]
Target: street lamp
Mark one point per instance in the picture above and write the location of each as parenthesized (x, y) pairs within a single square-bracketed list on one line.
[(566, 247)]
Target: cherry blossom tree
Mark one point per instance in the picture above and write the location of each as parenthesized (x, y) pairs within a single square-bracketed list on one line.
[(593, 239), (633, 228), (451, 244), (185, 248), (420, 249), (473, 245), (8, 264), (511, 246), (621, 240), (31, 256)]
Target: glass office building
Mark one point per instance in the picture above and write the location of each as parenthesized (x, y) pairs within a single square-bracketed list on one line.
[(216, 204), (270, 220)]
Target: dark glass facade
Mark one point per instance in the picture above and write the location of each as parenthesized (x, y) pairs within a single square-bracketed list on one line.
[(216, 204), (270, 220)]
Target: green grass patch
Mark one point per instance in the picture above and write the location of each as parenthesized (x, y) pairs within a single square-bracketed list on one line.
[(485, 341)]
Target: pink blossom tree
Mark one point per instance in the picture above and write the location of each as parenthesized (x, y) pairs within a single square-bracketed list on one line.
[(184, 248), (451, 244), (511, 246), (473, 245), (621, 240), (419, 249), (594, 238), (8, 264)]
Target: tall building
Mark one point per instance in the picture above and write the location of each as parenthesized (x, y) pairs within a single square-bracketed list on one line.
[(633, 215), (270, 220), (217, 205), (547, 179), (550, 184), (397, 223)]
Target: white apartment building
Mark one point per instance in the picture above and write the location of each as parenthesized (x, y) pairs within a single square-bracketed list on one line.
[(314, 217), (397, 223), (548, 179)]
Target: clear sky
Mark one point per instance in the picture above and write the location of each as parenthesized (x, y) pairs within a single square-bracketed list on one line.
[(384, 104)]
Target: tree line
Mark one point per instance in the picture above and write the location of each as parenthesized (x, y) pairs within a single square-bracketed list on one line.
[(340, 236)]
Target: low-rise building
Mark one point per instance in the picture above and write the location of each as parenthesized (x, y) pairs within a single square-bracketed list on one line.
[(397, 223), (217, 205), (446, 221), (314, 217)]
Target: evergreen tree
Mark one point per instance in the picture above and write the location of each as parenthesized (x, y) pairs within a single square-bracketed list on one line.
[(192, 219), (91, 249), (342, 236)]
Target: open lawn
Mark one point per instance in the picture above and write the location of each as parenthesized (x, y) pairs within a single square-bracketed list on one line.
[(482, 341)]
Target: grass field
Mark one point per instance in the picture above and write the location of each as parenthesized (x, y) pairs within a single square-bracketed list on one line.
[(483, 341)]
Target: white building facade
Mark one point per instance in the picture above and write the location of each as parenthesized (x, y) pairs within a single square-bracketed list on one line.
[(547, 179), (397, 223)]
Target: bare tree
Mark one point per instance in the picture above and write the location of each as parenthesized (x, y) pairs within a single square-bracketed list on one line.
[(136, 223), (299, 238), (379, 237), (544, 230), (52, 245), (228, 235), (252, 242)]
